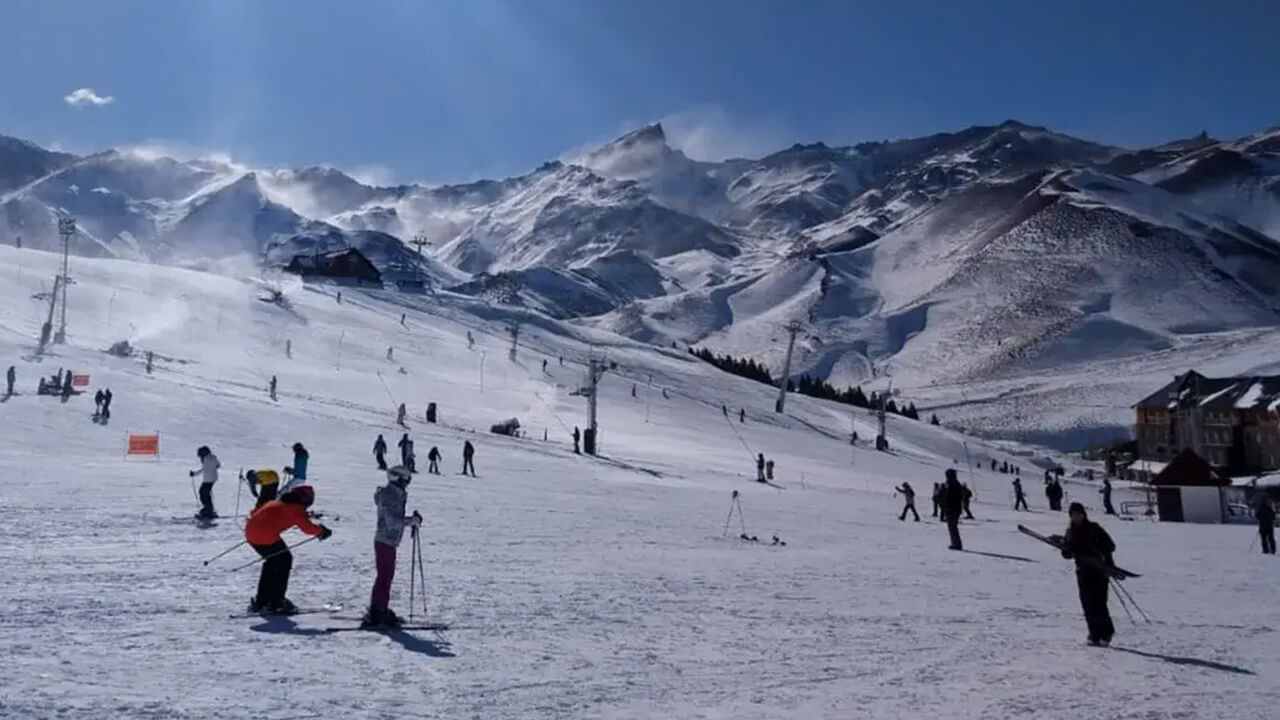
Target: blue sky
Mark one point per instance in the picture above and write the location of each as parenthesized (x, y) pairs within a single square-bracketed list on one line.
[(458, 89)]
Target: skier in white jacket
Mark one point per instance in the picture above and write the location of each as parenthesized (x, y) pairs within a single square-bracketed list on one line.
[(208, 472), (390, 501)]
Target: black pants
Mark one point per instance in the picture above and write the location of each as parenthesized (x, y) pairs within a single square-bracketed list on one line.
[(468, 465), (382, 460), (273, 581), (967, 514), (433, 466), (1093, 586), (1268, 535), (937, 509), (1021, 502), (206, 500), (1106, 505), (912, 507), (953, 529)]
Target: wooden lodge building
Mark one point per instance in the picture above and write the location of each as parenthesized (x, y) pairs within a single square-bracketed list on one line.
[(1230, 422)]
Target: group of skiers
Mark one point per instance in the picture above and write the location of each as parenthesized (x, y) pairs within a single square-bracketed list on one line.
[(102, 404), (264, 483), (409, 461)]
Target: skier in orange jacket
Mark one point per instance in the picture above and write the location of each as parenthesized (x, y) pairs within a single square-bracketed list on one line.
[(262, 531)]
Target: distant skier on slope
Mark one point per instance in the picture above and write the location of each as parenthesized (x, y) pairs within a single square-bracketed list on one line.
[(433, 460), (742, 415), (10, 377), (952, 506), (468, 458), (908, 501), (968, 497), (262, 531), (406, 450), (380, 452), (577, 438), (1091, 547), (1106, 497), (208, 472), (760, 467), (106, 404), (937, 501), (1019, 497), (390, 501), (271, 388), (401, 412), (1265, 513)]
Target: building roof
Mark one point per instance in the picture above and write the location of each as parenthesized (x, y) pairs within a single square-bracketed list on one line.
[(1191, 389), (344, 262), (1188, 470)]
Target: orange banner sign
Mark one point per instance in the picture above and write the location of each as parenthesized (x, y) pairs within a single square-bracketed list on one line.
[(144, 445), (79, 381)]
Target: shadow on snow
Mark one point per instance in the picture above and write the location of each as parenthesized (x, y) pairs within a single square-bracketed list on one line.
[(1176, 660), (280, 625)]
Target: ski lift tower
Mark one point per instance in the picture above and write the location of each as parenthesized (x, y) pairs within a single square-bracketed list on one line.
[(595, 369), (67, 229), (793, 328)]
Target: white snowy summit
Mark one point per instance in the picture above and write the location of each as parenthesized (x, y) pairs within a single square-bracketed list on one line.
[(987, 256)]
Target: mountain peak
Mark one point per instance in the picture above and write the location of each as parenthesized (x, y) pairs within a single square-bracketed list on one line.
[(648, 134)]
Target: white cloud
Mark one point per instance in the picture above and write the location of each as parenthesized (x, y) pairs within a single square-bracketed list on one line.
[(708, 132), (86, 97), (372, 174)]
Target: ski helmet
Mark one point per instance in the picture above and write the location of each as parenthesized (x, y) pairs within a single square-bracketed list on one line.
[(399, 474)]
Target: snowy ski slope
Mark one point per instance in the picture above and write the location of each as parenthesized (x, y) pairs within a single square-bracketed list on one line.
[(576, 587)]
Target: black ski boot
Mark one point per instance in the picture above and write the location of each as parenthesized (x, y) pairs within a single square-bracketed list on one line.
[(390, 619), (284, 607), (372, 619)]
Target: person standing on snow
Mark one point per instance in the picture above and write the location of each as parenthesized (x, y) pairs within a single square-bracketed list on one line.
[(760, 467), (10, 377), (937, 501), (1265, 513), (577, 438), (909, 501), (390, 501), (208, 472), (1019, 497), (297, 471), (1106, 497), (433, 460), (968, 497), (468, 458), (406, 452), (97, 404), (1091, 547), (401, 412), (271, 387), (263, 484), (106, 404), (952, 506), (262, 531), (380, 452)]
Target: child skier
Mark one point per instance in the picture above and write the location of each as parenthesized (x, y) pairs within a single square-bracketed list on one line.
[(262, 531), (433, 460), (380, 452), (208, 471), (390, 501), (909, 501), (264, 484)]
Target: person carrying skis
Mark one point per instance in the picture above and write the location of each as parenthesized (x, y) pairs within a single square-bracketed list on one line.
[(1106, 497), (1091, 547), (390, 501), (380, 452), (468, 458), (263, 484), (208, 472), (262, 531), (1019, 497), (433, 460), (1265, 513), (10, 376), (952, 506), (909, 500), (937, 500)]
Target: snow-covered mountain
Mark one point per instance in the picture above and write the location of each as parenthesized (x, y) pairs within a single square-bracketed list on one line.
[(975, 256)]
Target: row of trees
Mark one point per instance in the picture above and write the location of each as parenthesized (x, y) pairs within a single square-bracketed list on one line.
[(813, 387)]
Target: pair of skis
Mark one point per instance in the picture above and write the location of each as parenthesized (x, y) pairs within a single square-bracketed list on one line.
[(331, 609), (1115, 572)]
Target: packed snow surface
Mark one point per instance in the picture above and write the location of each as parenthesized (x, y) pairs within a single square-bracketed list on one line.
[(574, 587)]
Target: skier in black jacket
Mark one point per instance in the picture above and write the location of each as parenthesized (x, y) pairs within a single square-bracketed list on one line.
[(1266, 515), (952, 506), (1091, 547)]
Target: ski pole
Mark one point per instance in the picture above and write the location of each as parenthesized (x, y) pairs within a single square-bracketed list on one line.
[(1133, 602), (413, 534), (224, 552), (274, 554), (732, 499), (1120, 599), (422, 578)]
